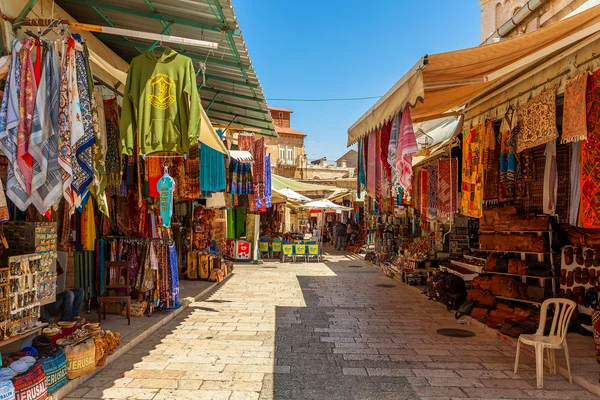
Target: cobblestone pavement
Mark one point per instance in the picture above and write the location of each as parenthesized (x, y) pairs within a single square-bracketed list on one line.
[(318, 331)]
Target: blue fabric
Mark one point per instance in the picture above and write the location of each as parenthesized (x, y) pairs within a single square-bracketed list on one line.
[(268, 187), (212, 168), (174, 275), (165, 188)]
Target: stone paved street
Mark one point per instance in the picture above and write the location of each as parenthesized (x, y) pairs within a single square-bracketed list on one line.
[(318, 331)]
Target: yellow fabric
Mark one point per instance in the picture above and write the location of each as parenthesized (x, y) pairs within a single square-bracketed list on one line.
[(89, 230)]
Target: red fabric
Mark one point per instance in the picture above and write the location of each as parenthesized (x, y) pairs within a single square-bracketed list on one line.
[(372, 165), (590, 154), (384, 143), (378, 172), (424, 198), (37, 68)]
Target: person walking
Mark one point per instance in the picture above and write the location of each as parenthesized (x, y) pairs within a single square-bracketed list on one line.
[(341, 237), (334, 234)]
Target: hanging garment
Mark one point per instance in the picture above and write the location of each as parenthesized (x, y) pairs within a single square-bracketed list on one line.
[(154, 172), (447, 188), (268, 182), (361, 179), (258, 170), (161, 105), (165, 186), (537, 118), (4, 215), (393, 148), (372, 164), (246, 141), (113, 155), (192, 173), (407, 146), (432, 193), (46, 183), (26, 108), (384, 143), (574, 176), (212, 168), (174, 274), (574, 111), (509, 131), (491, 165), (216, 201), (241, 177), (550, 179), (472, 176), (89, 228), (9, 121), (83, 171), (424, 195), (378, 168), (590, 154)]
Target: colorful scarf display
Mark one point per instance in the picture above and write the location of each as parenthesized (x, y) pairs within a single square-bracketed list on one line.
[(241, 177), (590, 154), (378, 169), (9, 120), (113, 155), (491, 165), (424, 193), (550, 179), (508, 156), (46, 184), (574, 122), (372, 164), (393, 148), (192, 172), (361, 179), (28, 91), (537, 118), (432, 193), (212, 168), (447, 188), (574, 179), (268, 188), (472, 175), (258, 170), (384, 143), (407, 146)]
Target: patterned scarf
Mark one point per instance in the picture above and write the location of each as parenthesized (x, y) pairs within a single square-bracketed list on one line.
[(575, 196), (424, 196), (491, 165), (241, 177), (173, 296), (362, 179), (9, 120), (268, 187), (246, 142), (192, 172), (371, 163), (508, 156), (70, 122), (407, 146), (472, 176), (550, 179), (432, 193), (258, 169), (154, 172), (447, 188), (113, 159), (393, 148), (46, 184), (574, 112), (212, 169), (83, 170), (23, 172), (590, 154), (538, 121), (384, 144)]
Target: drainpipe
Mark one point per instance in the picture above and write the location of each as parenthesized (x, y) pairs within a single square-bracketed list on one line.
[(511, 24)]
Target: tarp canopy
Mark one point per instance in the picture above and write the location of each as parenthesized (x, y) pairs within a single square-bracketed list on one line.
[(279, 182), (324, 205), (291, 195), (445, 82)]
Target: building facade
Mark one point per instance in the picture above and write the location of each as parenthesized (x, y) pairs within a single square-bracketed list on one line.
[(287, 151)]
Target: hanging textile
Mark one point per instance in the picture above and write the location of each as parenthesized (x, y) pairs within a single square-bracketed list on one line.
[(590, 154), (28, 92), (432, 193), (491, 165), (153, 170), (407, 146), (9, 121), (574, 111), (241, 177), (574, 176), (424, 194), (165, 187), (537, 118), (472, 176), (268, 182), (372, 164), (509, 131), (212, 168), (447, 188), (393, 148), (113, 155), (173, 299), (550, 179), (192, 173), (384, 143), (378, 168), (46, 183), (258, 169), (4, 215), (362, 178), (246, 141)]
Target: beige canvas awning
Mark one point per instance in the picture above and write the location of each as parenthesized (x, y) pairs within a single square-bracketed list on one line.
[(447, 81)]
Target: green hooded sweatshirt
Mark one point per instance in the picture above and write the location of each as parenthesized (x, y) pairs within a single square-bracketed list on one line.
[(160, 104)]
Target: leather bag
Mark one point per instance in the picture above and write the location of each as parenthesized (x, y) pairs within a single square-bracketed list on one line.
[(481, 282), (479, 312), (536, 293), (502, 263), (516, 266), (499, 284), (490, 262), (520, 222)]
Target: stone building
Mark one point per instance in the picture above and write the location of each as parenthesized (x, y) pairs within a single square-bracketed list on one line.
[(348, 160), (287, 151), (514, 17)]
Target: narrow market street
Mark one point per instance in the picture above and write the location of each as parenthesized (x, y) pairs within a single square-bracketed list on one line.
[(339, 329)]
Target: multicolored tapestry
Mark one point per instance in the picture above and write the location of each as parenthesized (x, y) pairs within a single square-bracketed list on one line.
[(258, 168), (472, 175), (509, 131), (447, 188), (371, 164), (246, 142), (590, 154), (384, 143), (491, 165), (424, 197), (407, 146), (538, 121), (378, 169), (432, 193), (574, 122)]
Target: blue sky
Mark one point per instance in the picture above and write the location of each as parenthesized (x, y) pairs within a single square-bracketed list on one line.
[(312, 49)]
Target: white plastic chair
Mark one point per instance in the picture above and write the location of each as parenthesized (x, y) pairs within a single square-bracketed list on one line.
[(556, 339)]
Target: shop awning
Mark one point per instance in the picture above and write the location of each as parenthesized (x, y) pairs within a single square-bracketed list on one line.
[(291, 195), (230, 90), (241, 155), (440, 84), (280, 183), (442, 136)]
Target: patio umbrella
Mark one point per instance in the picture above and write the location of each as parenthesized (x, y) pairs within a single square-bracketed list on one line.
[(291, 195), (324, 205)]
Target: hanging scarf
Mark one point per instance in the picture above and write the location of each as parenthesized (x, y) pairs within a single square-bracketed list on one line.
[(447, 188), (70, 128), (246, 142), (424, 195), (575, 196), (491, 165), (241, 177), (407, 146), (393, 148), (384, 144), (9, 121), (372, 164), (46, 183), (28, 92), (268, 187), (258, 171), (432, 193), (83, 170), (590, 154), (113, 159), (550, 179), (361, 179), (509, 131), (212, 168), (192, 172), (538, 121), (174, 275), (574, 111), (472, 176)]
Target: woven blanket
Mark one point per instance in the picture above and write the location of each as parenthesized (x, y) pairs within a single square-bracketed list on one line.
[(574, 126), (371, 163), (538, 121), (407, 146), (384, 143), (424, 197), (447, 188), (509, 131), (491, 165), (590, 154), (472, 175), (432, 193)]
